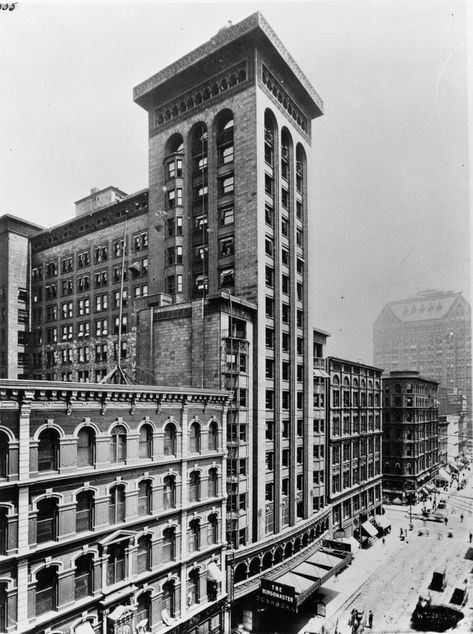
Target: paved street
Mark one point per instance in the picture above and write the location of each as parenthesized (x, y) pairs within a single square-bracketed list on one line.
[(389, 578)]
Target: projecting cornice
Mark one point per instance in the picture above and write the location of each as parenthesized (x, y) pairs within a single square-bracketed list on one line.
[(254, 23)]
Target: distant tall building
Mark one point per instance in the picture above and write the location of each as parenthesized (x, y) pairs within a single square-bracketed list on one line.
[(429, 332)]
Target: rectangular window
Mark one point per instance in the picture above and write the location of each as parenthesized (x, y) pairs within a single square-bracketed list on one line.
[(83, 306), (101, 278), (117, 248), (226, 215), (101, 303), (101, 253), (174, 226), (269, 338), (83, 329), (226, 246), (101, 327), (269, 276), (284, 227), (269, 215), (83, 259), (226, 185), (67, 287), (66, 332), (66, 310), (140, 241), (83, 283), (227, 277)]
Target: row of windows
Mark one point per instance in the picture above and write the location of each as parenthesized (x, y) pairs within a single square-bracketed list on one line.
[(48, 509), (354, 477), (83, 282), (100, 253), (48, 595), (49, 445)]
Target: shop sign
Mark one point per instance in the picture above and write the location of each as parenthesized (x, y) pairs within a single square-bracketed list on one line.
[(278, 595)]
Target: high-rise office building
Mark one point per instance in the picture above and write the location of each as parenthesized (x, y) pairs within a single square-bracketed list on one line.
[(229, 169), (429, 332)]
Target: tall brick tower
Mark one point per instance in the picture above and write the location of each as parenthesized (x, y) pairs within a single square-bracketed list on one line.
[(229, 162)]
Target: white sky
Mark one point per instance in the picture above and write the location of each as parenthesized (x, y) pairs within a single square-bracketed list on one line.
[(390, 182)]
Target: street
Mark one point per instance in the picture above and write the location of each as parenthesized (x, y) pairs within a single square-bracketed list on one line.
[(391, 591)]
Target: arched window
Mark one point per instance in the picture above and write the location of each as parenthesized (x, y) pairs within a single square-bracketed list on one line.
[(194, 486), (48, 450), (143, 557), (169, 492), (144, 498), (146, 441), (83, 577), (213, 483), (46, 520), (85, 511), (3, 531), (397, 468), (194, 445), (117, 505), (170, 440), (225, 150), (213, 436), (194, 535), (169, 599), (118, 444), (212, 536), (193, 588), (85, 447), (143, 612), (173, 161), (3, 455), (397, 388), (116, 569), (386, 467), (46, 588), (169, 544)]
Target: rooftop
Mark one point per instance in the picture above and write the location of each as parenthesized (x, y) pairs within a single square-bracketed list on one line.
[(253, 25)]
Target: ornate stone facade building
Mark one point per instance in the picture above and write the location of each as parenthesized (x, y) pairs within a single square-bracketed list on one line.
[(112, 510)]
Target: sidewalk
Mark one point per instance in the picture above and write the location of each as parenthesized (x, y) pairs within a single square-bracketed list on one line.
[(338, 593)]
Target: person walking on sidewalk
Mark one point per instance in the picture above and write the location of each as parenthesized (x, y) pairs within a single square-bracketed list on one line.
[(470, 537), (370, 620), (461, 517)]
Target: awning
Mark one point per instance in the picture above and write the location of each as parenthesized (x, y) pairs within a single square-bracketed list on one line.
[(369, 529), (443, 475), (214, 573), (321, 373), (84, 628), (453, 467), (430, 488), (382, 521), (307, 576)]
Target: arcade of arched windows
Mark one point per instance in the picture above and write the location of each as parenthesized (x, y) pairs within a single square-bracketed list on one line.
[(51, 450), (278, 553), (203, 93), (283, 98)]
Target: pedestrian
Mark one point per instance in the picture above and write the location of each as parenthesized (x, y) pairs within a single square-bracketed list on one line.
[(461, 517), (471, 537), (445, 519), (370, 620), (384, 541)]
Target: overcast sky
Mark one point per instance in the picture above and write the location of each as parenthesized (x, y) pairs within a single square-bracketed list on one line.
[(390, 178)]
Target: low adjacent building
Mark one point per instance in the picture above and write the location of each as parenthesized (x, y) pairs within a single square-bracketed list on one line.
[(112, 508), (410, 435)]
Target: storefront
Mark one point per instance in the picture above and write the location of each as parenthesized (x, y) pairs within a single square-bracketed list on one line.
[(293, 587)]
